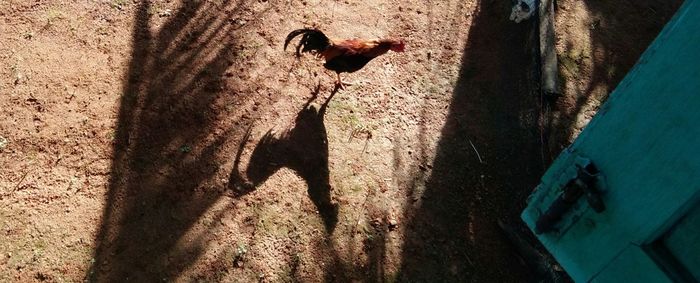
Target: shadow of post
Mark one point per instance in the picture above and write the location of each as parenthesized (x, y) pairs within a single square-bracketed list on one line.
[(302, 147), (165, 149), (452, 233)]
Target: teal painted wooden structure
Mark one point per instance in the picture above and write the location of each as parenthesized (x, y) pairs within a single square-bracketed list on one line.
[(645, 141)]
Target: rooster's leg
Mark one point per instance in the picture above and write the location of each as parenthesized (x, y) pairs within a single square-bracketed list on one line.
[(340, 82)]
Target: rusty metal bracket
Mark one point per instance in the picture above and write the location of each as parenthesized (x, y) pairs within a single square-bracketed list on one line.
[(584, 183)]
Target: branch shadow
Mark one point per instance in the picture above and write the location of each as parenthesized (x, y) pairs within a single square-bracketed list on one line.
[(167, 142), (302, 147), (488, 159)]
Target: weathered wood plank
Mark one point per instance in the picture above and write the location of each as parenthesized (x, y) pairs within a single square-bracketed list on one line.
[(548, 53)]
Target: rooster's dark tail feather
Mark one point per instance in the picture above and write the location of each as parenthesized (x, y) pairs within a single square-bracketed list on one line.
[(312, 40)]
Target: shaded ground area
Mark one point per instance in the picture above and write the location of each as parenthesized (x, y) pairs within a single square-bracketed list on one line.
[(487, 158), (175, 140)]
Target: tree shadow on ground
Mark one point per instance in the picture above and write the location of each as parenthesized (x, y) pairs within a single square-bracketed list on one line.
[(167, 142), (302, 147), (488, 159)]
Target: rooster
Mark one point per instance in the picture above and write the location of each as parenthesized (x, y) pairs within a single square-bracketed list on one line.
[(342, 56)]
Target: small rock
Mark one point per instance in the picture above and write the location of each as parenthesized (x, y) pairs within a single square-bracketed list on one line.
[(393, 224), (3, 142), (376, 222), (165, 13), (19, 78)]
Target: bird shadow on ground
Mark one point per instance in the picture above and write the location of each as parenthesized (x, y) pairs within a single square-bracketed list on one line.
[(302, 147)]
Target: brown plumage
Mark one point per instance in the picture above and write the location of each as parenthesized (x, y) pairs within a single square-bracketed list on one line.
[(342, 56)]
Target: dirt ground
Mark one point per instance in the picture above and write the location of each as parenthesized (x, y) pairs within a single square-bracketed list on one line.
[(122, 124)]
